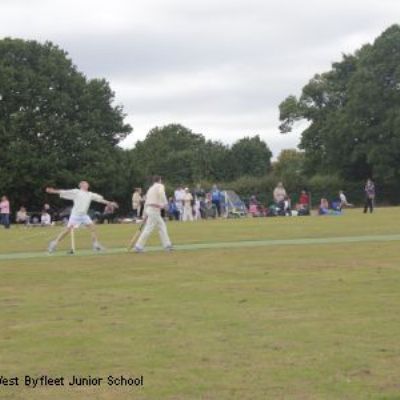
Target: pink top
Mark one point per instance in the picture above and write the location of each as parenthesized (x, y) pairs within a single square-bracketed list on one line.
[(5, 207)]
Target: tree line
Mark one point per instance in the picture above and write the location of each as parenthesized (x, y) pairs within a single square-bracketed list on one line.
[(58, 127)]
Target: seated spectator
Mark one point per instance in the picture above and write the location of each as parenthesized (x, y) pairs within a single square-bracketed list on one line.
[(109, 213), (323, 207), (22, 216), (343, 200), (303, 206), (287, 208), (48, 209), (304, 199), (45, 218), (173, 212), (253, 206)]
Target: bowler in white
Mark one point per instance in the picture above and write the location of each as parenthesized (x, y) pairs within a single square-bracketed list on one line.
[(82, 199)]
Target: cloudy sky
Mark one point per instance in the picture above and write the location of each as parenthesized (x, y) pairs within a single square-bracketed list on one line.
[(220, 67)]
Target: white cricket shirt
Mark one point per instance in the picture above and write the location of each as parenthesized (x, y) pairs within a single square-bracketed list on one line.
[(81, 199)]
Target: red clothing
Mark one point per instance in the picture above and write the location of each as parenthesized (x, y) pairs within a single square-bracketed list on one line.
[(304, 199)]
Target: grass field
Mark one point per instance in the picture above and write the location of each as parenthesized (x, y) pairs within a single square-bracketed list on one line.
[(229, 315)]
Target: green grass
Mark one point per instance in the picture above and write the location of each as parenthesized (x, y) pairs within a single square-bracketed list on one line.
[(275, 322)]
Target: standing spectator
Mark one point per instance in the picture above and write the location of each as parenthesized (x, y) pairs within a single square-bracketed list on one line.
[(369, 196), (216, 197), (142, 204), (200, 201), (279, 194), (187, 206), (22, 216), (5, 212), (199, 192), (279, 198), (173, 213), (179, 194), (197, 209), (136, 202)]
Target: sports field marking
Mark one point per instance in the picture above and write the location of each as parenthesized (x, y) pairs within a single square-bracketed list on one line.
[(211, 245)]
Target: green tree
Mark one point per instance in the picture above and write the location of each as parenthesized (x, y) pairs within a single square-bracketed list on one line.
[(56, 126), (251, 156), (353, 114), (182, 156), (290, 163)]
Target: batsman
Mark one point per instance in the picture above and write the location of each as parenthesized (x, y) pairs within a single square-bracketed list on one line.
[(156, 200)]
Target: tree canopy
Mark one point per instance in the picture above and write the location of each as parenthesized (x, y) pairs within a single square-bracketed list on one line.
[(186, 157), (353, 114), (56, 126)]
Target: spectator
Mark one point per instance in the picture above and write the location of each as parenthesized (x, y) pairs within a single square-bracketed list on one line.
[(216, 197), (254, 206), (48, 209), (200, 202), (287, 206), (22, 216), (279, 198), (187, 206), (303, 206), (5, 212), (173, 213), (304, 199), (343, 200), (323, 207), (369, 196), (197, 209), (137, 202), (142, 203), (199, 193), (179, 194), (279, 194), (45, 218), (109, 213)]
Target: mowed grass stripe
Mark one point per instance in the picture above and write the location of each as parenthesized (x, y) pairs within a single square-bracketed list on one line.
[(213, 245)]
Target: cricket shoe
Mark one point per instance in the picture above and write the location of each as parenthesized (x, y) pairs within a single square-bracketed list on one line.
[(137, 249), (169, 248), (52, 247), (98, 247)]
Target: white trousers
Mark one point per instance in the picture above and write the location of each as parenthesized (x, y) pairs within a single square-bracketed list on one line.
[(187, 213), (153, 221)]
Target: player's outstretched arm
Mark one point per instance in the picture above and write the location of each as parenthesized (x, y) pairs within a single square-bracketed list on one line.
[(51, 190), (100, 199)]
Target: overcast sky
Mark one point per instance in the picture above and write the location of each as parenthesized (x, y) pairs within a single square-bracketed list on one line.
[(219, 67)]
